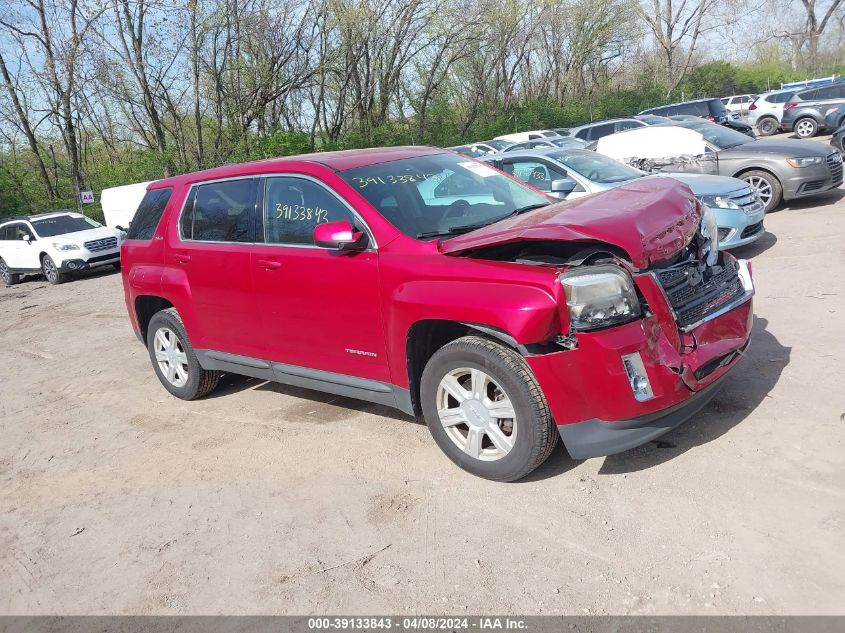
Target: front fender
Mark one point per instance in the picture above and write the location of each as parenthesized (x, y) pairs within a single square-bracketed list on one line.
[(525, 313)]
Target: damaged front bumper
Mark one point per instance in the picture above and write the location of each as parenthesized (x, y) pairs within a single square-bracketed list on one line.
[(601, 408)]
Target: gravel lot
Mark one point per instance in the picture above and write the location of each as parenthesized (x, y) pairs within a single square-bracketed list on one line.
[(117, 498)]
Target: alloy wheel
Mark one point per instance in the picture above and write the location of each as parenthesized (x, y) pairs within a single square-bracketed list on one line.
[(49, 269), (763, 188), (170, 356), (767, 127), (476, 413), (805, 129), (5, 273)]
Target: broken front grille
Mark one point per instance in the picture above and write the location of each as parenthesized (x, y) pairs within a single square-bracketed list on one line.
[(834, 163), (695, 294)]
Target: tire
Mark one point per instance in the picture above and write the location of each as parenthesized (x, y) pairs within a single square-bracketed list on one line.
[(767, 126), (769, 187), (805, 127), (533, 434), (197, 381), (9, 278), (51, 271)]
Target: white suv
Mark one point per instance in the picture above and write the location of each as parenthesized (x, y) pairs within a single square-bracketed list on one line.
[(55, 244), (767, 110)]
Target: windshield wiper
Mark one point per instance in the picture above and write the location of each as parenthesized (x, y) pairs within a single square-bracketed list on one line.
[(455, 230), (527, 208), (466, 228)]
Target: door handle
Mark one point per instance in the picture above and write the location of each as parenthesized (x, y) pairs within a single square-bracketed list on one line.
[(182, 258), (269, 264)]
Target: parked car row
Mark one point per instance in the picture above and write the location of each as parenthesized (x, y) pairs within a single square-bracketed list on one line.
[(574, 173)]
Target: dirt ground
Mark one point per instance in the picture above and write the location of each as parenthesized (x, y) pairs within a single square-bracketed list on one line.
[(117, 498)]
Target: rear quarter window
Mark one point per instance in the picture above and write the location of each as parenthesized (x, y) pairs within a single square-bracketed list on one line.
[(148, 215)]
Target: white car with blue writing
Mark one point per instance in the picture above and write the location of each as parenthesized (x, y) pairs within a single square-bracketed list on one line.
[(55, 244)]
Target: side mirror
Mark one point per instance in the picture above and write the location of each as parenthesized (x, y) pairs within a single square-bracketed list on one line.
[(119, 228), (26, 237), (340, 236), (563, 185)]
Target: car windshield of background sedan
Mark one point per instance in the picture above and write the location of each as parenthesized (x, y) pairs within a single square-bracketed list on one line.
[(718, 135), (441, 194), (597, 168), (61, 224)]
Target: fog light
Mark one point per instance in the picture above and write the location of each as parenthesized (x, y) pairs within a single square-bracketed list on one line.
[(637, 376)]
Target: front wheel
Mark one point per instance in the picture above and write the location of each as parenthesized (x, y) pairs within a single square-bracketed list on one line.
[(51, 271), (485, 410), (767, 126), (9, 278), (767, 186), (174, 360), (806, 128)]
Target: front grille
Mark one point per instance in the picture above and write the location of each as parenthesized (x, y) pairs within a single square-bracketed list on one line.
[(752, 229), (746, 199), (101, 245), (694, 294), (834, 163)]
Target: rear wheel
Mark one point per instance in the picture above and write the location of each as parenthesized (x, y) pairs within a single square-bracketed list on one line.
[(9, 278), (767, 126), (767, 186), (485, 410), (51, 271), (805, 128), (174, 360)]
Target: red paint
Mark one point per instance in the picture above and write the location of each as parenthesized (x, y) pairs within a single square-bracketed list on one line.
[(351, 312)]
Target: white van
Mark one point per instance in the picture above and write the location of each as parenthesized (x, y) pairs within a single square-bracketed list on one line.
[(120, 203)]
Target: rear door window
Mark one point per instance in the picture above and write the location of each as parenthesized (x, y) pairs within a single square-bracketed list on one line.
[(828, 92), (220, 212), (148, 215)]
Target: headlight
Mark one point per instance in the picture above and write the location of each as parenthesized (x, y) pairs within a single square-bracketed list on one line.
[(121, 235), (805, 162), (710, 231), (599, 296), (720, 202), (65, 247)]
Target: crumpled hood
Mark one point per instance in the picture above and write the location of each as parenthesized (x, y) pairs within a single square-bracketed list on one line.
[(650, 219)]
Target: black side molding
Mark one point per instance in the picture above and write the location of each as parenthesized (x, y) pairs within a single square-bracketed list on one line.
[(329, 382)]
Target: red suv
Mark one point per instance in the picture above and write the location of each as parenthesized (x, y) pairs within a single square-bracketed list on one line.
[(426, 281)]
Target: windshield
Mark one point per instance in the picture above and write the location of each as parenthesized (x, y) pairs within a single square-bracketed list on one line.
[(441, 194), (568, 141), (653, 119), (719, 135), (596, 167), (61, 224), (498, 144)]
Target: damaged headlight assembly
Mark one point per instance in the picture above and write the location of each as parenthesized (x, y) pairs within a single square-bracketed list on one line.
[(599, 296), (719, 202)]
